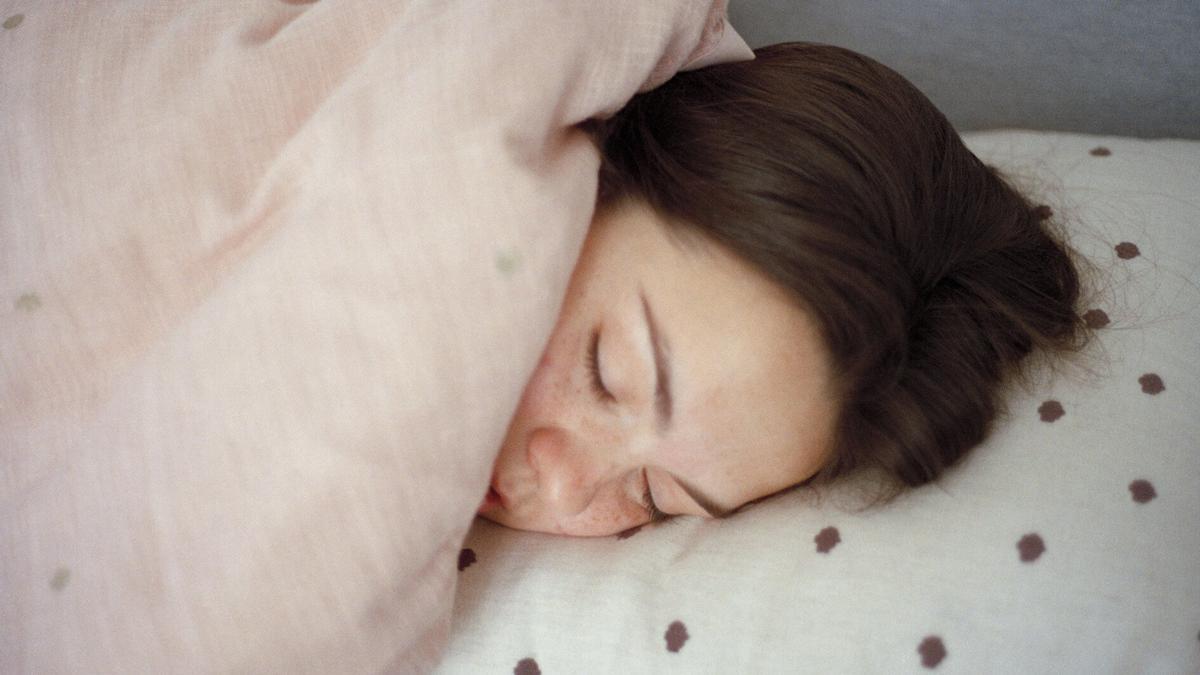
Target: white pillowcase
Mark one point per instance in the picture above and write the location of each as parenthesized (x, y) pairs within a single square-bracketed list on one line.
[(1067, 542)]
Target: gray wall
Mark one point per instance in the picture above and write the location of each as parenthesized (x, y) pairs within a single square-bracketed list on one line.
[(1101, 67)]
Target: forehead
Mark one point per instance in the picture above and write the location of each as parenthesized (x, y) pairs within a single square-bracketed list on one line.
[(750, 372)]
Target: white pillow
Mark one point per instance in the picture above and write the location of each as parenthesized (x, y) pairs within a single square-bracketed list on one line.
[(1068, 542)]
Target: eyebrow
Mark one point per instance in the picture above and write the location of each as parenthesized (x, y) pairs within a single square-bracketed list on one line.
[(664, 406)]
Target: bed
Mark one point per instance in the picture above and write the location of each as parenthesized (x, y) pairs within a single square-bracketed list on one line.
[(273, 274), (1068, 543)]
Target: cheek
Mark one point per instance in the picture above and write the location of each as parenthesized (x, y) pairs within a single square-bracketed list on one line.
[(608, 518), (689, 450), (544, 393), (552, 390)]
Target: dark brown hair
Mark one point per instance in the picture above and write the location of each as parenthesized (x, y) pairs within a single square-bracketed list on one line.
[(930, 276)]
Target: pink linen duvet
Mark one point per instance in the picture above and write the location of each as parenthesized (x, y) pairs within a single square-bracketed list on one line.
[(272, 276)]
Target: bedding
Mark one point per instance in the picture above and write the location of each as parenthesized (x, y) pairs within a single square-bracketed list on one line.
[(272, 277), (1066, 543)]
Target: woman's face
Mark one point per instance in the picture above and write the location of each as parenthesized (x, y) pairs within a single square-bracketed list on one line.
[(673, 367)]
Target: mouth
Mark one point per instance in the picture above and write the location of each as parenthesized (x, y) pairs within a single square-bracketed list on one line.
[(492, 500)]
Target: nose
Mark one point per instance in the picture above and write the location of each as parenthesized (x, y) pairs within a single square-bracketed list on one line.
[(566, 484)]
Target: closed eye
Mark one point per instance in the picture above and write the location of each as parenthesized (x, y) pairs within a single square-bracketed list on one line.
[(652, 509), (593, 359)]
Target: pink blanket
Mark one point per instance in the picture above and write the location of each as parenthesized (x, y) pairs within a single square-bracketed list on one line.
[(273, 275)]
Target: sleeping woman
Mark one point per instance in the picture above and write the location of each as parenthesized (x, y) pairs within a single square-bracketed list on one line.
[(795, 271)]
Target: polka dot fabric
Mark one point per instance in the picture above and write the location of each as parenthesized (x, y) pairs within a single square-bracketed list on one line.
[(1067, 542), (272, 277)]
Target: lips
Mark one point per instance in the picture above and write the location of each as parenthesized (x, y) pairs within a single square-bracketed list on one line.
[(492, 499)]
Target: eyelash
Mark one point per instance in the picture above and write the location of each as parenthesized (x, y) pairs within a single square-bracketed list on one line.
[(593, 360), (594, 368), (650, 506)]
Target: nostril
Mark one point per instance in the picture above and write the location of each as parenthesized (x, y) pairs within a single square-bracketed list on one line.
[(496, 495)]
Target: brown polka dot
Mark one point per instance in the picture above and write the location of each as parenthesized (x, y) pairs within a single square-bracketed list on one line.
[(932, 651), (13, 21), (1151, 384), (1031, 547), (466, 558), (625, 534), (508, 261), (1050, 411), (1126, 250), (1142, 491), (527, 667), (1095, 318), (676, 635), (826, 539), (1043, 212), (28, 302), (1101, 151), (61, 576)]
